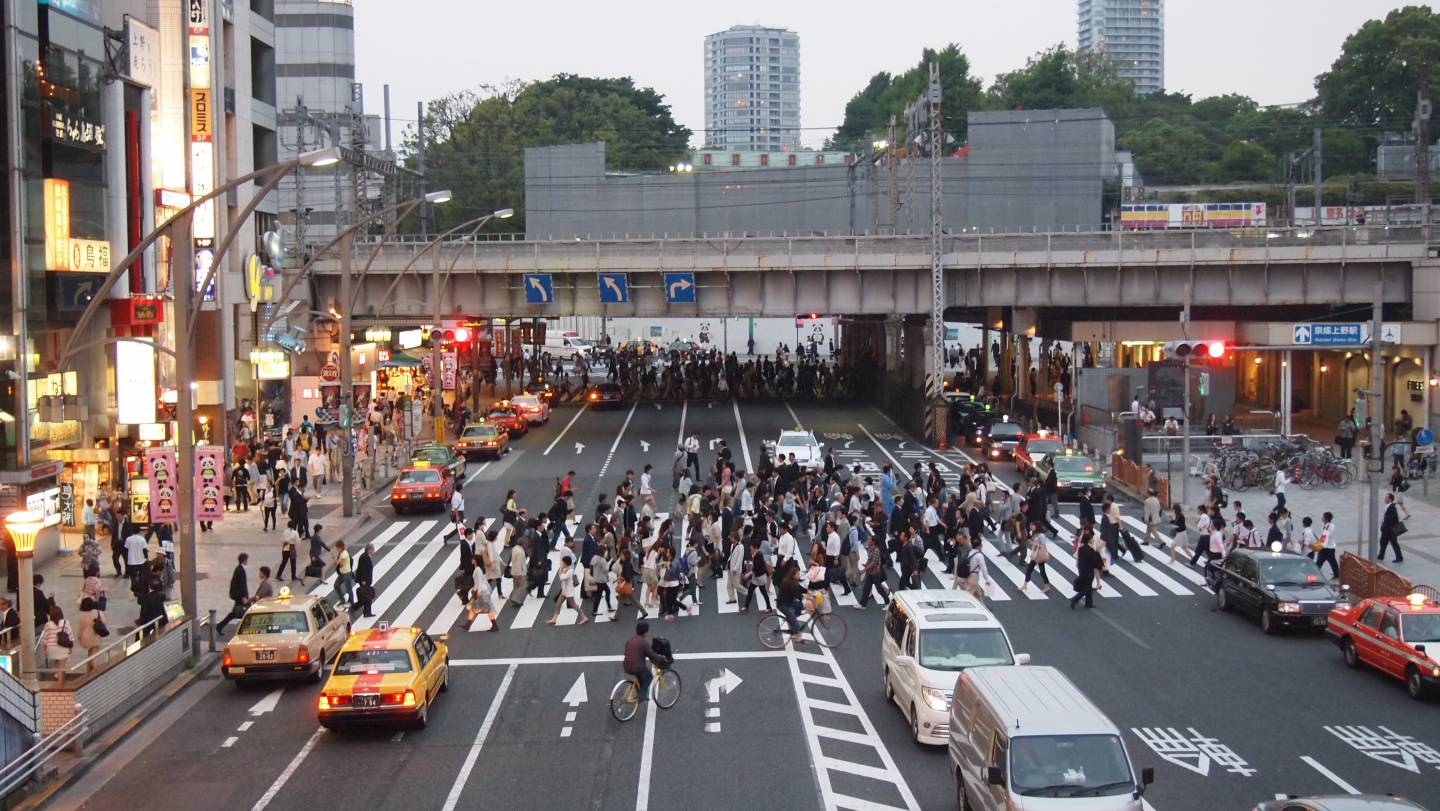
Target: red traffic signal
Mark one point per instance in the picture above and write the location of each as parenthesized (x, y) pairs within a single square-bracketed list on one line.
[(1215, 349)]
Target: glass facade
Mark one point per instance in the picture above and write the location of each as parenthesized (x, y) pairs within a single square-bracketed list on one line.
[(752, 89), (1131, 34)]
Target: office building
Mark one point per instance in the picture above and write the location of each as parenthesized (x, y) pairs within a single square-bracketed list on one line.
[(1130, 34), (752, 89)]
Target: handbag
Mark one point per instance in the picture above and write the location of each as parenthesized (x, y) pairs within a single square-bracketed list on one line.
[(63, 638), (1041, 554), (625, 588), (367, 593), (1399, 528), (103, 602), (101, 629)]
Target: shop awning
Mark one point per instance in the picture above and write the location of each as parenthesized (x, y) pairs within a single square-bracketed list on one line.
[(401, 359)]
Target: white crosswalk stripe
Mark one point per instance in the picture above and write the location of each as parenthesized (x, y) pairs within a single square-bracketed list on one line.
[(1116, 571), (392, 591)]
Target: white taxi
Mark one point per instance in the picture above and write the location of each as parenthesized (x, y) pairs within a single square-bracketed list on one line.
[(532, 407), (285, 637), (803, 445), (931, 635)]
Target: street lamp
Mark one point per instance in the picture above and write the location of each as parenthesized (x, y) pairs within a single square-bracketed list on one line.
[(23, 526)]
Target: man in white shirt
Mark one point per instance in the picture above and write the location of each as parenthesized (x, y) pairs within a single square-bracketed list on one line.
[(647, 492), (692, 452), (457, 510), (1327, 550), (972, 558), (786, 549), (1280, 481), (1202, 534), (137, 551), (930, 520)]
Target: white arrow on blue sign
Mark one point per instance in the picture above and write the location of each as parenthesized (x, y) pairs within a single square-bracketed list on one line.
[(1328, 333), (680, 288), (614, 288), (1302, 333), (538, 288)]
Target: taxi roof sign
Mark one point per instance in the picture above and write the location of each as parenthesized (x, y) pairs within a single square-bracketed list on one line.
[(421, 463)]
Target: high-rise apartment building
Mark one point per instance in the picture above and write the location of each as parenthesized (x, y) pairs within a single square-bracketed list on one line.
[(752, 89), (1131, 34)]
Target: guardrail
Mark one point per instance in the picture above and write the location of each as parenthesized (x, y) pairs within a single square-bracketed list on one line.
[(32, 760), (1366, 578), (111, 653)]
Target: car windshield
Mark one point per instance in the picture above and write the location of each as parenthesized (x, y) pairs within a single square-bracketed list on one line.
[(794, 442), (480, 432), (1005, 430), (421, 476), (386, 660), (527, 401), (1420, 628), (274, 622), (1288, 571), (959, 648), (433, 455), (1044, 446), (503, 413), (1069, 766), (1073, 464)]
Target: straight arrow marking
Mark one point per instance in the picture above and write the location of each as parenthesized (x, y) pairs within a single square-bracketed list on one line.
[(268, 703), (644, 446), (579, 448), (576, 695)]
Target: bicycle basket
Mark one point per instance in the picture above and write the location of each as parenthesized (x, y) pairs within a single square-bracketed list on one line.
[(661, 645)]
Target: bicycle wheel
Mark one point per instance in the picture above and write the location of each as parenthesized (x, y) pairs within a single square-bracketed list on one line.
[(771, 630), (666, 688), (1344, 475), (623, 701), (829, 630)]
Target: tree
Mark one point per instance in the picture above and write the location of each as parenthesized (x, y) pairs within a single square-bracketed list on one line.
[(1049, 80), (1170, 151), (1243, 161), (476, 140), (884, 96), (1345, 153), (1374, 80)]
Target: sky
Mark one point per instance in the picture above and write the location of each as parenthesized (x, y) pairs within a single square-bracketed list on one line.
[(1270, 50)]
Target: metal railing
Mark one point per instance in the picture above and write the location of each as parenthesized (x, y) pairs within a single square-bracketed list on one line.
[(107, 656), (32, 760)]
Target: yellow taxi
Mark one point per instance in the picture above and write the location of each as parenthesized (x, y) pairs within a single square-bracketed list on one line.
[(285, 637), (382, 675)]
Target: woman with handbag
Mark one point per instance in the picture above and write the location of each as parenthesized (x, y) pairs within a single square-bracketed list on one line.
[(91, 629), (1039, 555), (625, 584), (58, 639), (597, 580)]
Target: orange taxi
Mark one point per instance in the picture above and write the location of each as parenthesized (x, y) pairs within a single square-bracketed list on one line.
[(385, 675), (422, 485), (1399, 636)]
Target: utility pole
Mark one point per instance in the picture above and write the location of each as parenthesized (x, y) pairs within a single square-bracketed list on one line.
[(1318, 172), (424, 187), (894, 187), (1422, 146), (937, 272), (1377, 418)]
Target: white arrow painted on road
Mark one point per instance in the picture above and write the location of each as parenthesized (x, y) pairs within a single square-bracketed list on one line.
[(712, 443), (677, 286), (644, 446), (579, 448), (902, 446), (710, 404), (657, 406), (268, 703), (540, 288), (726, 682), (576, 696), (848, 444)]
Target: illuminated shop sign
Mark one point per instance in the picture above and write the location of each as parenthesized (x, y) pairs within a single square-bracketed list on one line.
[(63, 252)]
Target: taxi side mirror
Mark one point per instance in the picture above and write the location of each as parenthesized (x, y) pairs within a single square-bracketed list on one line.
[(1022, 658), (443, 637)]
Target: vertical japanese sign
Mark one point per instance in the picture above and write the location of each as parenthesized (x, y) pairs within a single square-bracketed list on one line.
[(202, 148), (161, 471), (448, 365), (209, 483)]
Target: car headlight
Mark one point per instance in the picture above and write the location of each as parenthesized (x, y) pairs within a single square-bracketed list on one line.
[(1289, 608), (935, 699)]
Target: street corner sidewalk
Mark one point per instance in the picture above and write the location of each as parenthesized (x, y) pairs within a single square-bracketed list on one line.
[(1421, 544)]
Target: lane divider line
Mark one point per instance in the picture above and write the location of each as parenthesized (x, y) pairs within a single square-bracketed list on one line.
[(616, 443), (453, 799), (566, 430), (289, 771), (1329, 775)]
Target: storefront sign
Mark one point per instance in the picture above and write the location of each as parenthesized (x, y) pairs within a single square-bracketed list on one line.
[(136, 311), (199, 16), (88, 255), (201, 128), (259, 282), (270, 364), (154, 432), (134, 383), (69, 129), (57, 222), (67, 504), (409, 338), (202, 168), (163, 475), (448, 364), (330, 373), (143, 44), (209, 483), (47, 503), (170, 198)]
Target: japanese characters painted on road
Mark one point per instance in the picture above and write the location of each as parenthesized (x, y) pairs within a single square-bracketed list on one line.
[(1191, 750), (209, 483), (1388, 746), (160, 464)]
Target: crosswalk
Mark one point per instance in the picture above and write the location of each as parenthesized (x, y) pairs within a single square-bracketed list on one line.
[(416, 562)]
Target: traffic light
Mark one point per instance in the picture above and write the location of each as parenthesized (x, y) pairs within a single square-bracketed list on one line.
[(1211, 350)]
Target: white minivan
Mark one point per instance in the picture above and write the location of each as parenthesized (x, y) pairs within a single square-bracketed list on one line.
[(931, 635), (1026, 738)]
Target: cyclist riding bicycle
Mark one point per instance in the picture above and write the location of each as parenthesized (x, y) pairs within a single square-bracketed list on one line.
[(791, 601), (639, 653)]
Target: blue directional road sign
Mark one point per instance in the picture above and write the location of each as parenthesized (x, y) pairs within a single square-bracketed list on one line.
[(680, 288), (614, 288), (1328, 334), (538, 288)]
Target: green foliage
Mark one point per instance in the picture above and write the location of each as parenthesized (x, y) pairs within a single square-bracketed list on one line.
[(1374, 80), (476, 141), (1171, 152), (884, 96), (1246, 159)]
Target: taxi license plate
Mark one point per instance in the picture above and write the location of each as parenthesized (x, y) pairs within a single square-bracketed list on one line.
[(1319, 621), (367, 700), (264, 655)]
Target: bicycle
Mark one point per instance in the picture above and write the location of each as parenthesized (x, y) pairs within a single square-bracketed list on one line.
[(625, 695), (828, 629)]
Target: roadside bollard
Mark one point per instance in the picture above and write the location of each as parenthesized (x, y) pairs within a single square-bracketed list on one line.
[(211, 630)]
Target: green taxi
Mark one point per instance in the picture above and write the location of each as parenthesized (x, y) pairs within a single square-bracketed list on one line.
[(435, 455), (1076, 476)]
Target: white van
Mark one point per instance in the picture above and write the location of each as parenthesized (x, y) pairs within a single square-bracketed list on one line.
[(1026, 738), (930, 635)]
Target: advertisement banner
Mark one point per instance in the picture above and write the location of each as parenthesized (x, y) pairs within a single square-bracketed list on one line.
[(162, 472), (448, 364), (209, 483)]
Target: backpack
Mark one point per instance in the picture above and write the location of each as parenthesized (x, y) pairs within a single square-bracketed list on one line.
[(962, 566)]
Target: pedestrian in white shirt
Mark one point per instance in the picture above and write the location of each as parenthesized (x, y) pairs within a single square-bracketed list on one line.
[(1202, 534), (734, 568), (1280, 481), (786, 551), (457, 510), (1326, 553), (970, 570), (137, 551), (647, 491), (1152, 518)]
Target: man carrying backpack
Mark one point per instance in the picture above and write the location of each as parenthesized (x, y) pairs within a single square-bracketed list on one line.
[(970, 568)]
